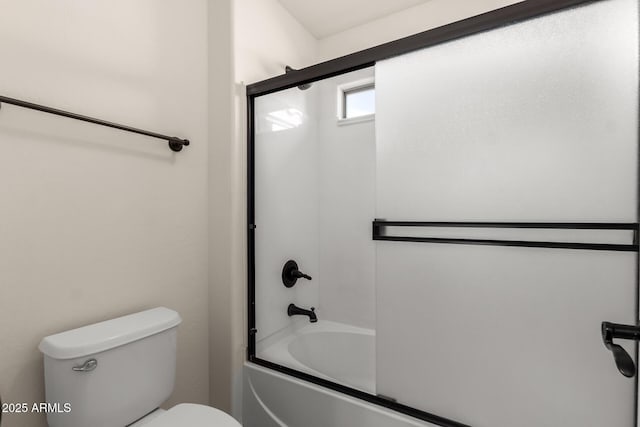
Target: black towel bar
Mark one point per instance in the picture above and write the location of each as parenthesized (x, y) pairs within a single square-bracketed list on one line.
[(175, 143)]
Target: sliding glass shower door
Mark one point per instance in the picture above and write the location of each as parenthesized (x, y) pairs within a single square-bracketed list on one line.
[(492, 134)]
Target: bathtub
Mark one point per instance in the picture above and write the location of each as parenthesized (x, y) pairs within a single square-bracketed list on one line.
[(332, 351), (337, 352)]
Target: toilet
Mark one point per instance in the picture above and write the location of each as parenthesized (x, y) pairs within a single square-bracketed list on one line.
[(117, 373)]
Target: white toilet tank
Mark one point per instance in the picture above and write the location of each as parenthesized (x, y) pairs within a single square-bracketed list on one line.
[(111, 373)]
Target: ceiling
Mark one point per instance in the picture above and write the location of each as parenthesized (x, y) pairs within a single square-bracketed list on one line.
[(324, 18)]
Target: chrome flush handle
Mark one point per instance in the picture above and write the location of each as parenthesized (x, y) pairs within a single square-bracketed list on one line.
[(87, 366)]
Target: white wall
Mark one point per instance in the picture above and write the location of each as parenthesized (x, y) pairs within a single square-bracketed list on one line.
[(222, 243), (266, 38), (431, 14), (347, 161), (96, 223)]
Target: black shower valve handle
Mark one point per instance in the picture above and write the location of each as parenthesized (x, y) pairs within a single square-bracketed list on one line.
[(300, 275), (291, 273)]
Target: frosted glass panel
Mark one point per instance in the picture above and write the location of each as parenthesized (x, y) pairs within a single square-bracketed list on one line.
[(532, 122), (535, 121), (499, 337)]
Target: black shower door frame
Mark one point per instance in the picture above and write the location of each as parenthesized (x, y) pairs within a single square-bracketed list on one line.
[(508, 15)]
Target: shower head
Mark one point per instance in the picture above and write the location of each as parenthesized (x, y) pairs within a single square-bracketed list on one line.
[(288, 69)]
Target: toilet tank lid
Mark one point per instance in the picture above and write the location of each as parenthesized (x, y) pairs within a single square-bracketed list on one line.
[(109, 334)]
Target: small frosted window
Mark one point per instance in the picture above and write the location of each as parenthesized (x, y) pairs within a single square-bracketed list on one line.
[(359, 102)]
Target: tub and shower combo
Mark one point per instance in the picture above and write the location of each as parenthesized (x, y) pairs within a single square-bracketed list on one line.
[(442, 230)]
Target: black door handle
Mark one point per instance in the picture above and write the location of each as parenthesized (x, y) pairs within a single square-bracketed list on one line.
[(624, 362)]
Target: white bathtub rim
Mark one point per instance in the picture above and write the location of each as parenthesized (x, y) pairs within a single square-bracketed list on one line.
[(397, 416), (303, 326)]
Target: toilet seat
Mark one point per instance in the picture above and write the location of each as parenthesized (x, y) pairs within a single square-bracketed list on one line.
[(193, 415)]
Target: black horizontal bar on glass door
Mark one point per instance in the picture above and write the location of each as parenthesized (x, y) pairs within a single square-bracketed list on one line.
[(175, 143), (548, 225), (379, 234)]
